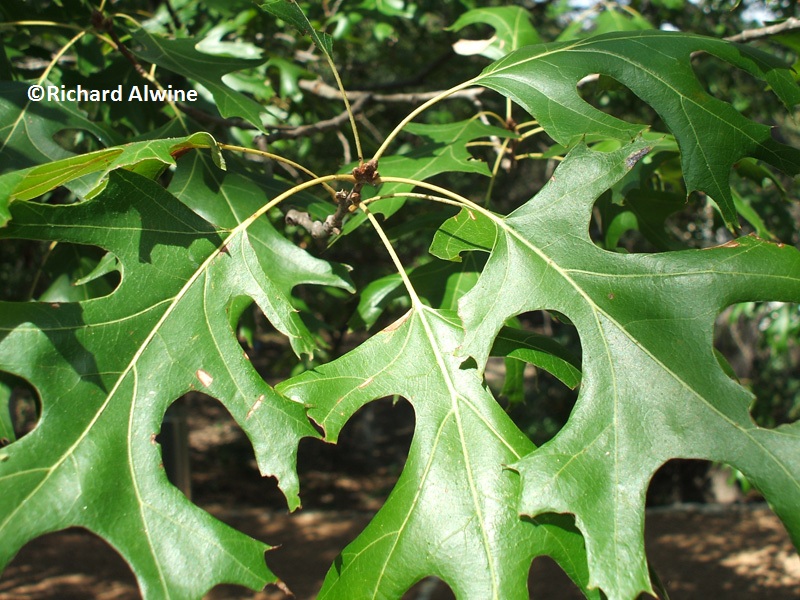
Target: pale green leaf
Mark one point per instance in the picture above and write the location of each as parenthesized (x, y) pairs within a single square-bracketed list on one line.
[(28, 130), (652, 389), (107, 369), (512, 25), (148, 158)]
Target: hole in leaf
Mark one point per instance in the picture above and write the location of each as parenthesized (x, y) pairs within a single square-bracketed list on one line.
[(757, 344), (220, 457), (307, 544), (73, 563), (699, 224), (21, 406), (761, 195), (74, 273), (323, 310), (19, 263), (546, 579), (679, 481), (362, 468), (76, 141), (737, 551), (633, 217), (429, 588), (268, 349), (608, 95), (537, 358), (737, 87)]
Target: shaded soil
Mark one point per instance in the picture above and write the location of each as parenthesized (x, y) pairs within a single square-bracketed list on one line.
[(732, 553), (699, 551)]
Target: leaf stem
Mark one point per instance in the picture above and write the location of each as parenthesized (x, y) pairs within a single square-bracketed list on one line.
[(348, 108), (527, 124), (43, 23), (501, 154), (276, 158), (416, 303), (536, 155), (490, 113), (417, 195), (413, 115), (59, 54), (475, 144), (458, 198), (530, 132), (289, 193)]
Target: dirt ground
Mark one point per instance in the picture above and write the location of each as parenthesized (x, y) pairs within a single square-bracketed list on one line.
[(700, 551)]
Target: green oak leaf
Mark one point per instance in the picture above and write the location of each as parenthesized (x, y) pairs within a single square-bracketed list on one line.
[(540, 351), (439, 284), (6, 425), (512, 25), (27, 128), (148, 158), (289, 11), (652, 388), (107, 369), (182, 57), (656, 66), (456, 465)]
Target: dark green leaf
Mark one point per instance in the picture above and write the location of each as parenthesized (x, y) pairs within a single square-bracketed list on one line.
[(28, 130), (289, 11), (656, 66), (181, 56)]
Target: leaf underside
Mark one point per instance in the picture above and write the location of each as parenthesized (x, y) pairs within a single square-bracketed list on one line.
[(107, 369), (449, 514), (652, 389)]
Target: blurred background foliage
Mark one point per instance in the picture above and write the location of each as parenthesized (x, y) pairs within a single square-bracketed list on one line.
[(387, 51)]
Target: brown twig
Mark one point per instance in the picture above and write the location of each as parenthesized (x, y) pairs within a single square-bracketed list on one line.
[(332, 225), (748, 35), (346, 202), (319, 126), (105, 24), (328, 92)]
